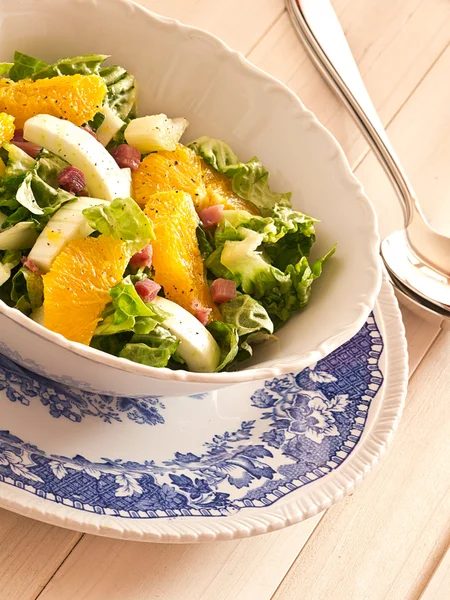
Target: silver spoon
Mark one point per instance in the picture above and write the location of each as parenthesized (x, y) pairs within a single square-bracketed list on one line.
[(418, 257)]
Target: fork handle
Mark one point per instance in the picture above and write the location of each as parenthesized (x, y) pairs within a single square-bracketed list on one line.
[(319, 28)]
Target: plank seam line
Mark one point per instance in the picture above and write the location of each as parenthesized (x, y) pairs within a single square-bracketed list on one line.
[(265, 32), (286, 575), (59, 566), (368, 150), (421, 592)]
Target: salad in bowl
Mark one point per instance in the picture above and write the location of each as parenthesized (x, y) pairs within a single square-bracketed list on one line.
[(118, 236)]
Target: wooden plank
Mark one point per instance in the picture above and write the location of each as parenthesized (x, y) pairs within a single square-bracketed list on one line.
[(384, 540), (420, 335), (248, 569), (394, 44), (419, 133), (240, 24), (30, 552), (438, 587)]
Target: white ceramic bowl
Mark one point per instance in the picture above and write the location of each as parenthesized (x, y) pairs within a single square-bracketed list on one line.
[(183, 71)]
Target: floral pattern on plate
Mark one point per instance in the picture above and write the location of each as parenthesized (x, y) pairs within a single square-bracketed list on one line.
[(308, 424)]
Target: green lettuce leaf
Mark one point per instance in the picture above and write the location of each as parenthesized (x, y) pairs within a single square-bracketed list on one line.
[(27, 292), (218, 154), (8, 191), (243, 259), (283, 221), (214, 264), (20, 236), (227, 338), (19, 215), (122, 91), (9, 260), (122, 219), (49, 166), (286, 236), (30, 186), (95, 123), (251, 321), (86, 64), (39, 197), (25, 196), (11, 257), (128, 312), (153, 349), (247, 315), (204, 242), (267, 257), (19, 162), (280, 292), (303, 275), (250, 181), (111, 344), (5, 68), (25, 66)]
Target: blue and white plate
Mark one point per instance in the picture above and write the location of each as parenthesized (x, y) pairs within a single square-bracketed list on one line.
[(238, 462)]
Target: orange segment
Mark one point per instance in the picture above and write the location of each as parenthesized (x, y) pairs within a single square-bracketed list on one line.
[(184, 171), (164, 171), (176, 257), (76, 287), (73, 97), (6, 128), (219, 191)]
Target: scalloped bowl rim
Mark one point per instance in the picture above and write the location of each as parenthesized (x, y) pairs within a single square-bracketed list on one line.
[(362, 306)]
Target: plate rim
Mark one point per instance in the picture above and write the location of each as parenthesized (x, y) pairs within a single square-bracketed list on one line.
[(297, 506)]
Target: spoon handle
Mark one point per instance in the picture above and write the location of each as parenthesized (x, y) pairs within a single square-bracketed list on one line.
[(320, 30)]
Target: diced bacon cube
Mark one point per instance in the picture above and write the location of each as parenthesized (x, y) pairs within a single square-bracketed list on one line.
[(29, 264), (142, 258), (211, 216), (147, 289), (28, 147), (126, 156), (223, 290), (72, 180), (202, 314)]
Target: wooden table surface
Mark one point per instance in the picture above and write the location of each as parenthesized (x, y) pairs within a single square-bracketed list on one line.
[(390, 538)]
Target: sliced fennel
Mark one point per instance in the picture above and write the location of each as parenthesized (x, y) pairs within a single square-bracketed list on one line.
[(197, 346), (126, 172), (67, 224), (155, 132), (19, 237), (104, 178), (5, 272), (110, 126)]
